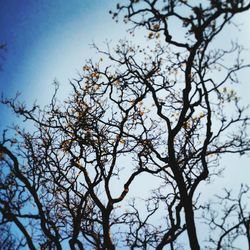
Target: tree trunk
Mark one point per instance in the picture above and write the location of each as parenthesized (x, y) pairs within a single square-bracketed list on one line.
[(108, 244), (190, 223)]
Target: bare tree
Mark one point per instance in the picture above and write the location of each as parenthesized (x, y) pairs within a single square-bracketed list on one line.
[(162, 111), (7, 240), (229, 224)]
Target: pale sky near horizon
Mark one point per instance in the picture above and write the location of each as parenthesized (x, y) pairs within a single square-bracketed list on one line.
[(49, 40)]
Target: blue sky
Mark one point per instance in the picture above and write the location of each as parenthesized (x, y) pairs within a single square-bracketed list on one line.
[(49, 40)]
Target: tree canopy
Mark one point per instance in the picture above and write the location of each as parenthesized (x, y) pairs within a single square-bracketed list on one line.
[(164, 111)]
